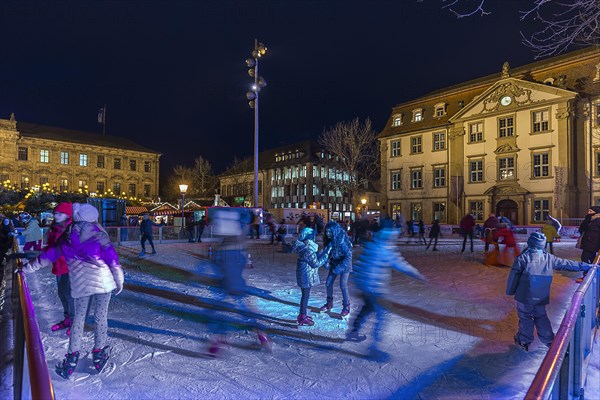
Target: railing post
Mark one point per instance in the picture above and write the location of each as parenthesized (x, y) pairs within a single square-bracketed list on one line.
[(119, 236), (160, 234)]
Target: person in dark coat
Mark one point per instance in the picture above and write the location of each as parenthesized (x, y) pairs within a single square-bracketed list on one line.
[(422, 232), (190, 228), (123, 222), (146, 232), (467, 225), (6, 237), (434, 233), (307, 266), (529, 281), (590, 232), (340, 263), (200, 225), (489, 226)]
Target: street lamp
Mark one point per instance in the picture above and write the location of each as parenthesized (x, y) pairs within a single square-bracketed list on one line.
[(183, 189), (363, 201), (252, 63)]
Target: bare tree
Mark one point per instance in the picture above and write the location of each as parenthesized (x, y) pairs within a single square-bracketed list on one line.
[(203, 181), (563, 23), (180, 174), (355, 146)]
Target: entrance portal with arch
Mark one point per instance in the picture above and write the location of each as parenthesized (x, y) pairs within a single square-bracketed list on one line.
[(509, 209)]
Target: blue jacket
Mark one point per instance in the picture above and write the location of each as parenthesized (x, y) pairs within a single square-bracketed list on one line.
[(531, 275), (307, 266), (372, 270), (340, 247)]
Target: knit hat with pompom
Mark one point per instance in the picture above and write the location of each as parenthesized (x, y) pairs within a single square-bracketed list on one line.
[(84, 212), (536, 240)]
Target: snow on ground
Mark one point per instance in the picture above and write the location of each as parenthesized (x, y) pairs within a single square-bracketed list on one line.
[(450, 338)]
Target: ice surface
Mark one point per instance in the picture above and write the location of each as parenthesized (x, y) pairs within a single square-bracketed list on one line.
[(451, 338)]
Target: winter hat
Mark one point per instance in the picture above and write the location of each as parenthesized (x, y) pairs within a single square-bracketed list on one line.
[(595, 209), (537, 240), (65, 208), (25, 217), (306, 233), (84, 212)]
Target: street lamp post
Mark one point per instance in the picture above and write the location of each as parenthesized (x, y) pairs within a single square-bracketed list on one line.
[(252, 63), (183, 189), (363, 210)]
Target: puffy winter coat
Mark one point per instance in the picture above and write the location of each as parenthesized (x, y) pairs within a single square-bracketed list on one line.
[(531, 275), (467, 223), (372, 270), (59, 267), (309, 261), (340, 245), (435, 230), (590, 230), (550, 232), (32, 231), (93, 263)]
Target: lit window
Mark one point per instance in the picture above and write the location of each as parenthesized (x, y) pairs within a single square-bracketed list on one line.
[(540, 121), (416, 178), (147, 166), (418, 115), (506, 168), (476, 209), (132, 190), (81, 184), (44, 156), (397, 120), (541, 209), (132, 165), (100, 187), (476, 132), (439, 177), (64, 157), (541, 166), (476, 170), (439, 211), (395, 177), (64, 185), (83, 160), (506, 127), (396, 148), (439, 110), (117, 188), (439, 141), (416, 144)]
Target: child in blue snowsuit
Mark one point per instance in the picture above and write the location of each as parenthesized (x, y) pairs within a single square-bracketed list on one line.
[(307, 269), (529, 281), (372, 272)]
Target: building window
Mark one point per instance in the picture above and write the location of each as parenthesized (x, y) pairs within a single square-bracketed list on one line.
[(439, 141), (100, 187), (64, 185), (396, 148), (132, 191), (64, 157), (416, 211), (24, 182), (395, 180), (476, 209), (147, 166), (541, 209), (476, 171), (416, 145), (100, 161), (22, 153), (146, 190), (416, 178), (598, 164), (540, 121), (117, 163), (82, 184), (476, 132), (83, 161), (132, 165), (506, 168), (597, 114), (43, 180), (506, 127), (541, 166), (117, 188), (440, 110), (439, 176), (439, 211), (44, 156), (397, 120), (417, 115)]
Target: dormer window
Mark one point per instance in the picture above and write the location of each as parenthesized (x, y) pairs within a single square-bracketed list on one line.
[(440, 110), (397, 120), (417, 115)]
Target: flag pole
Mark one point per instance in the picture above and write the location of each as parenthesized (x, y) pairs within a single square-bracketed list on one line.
[(104, 121)]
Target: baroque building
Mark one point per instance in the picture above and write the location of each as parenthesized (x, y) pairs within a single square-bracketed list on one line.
[(68, 160), (301, 175), (523, 143)]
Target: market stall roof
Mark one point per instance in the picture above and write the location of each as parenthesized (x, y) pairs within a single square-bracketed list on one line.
[(134, 210)]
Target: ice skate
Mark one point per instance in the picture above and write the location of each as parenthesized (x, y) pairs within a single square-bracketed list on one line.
[(304, 319), (217, 346), (524, 346), (265, 342), (100, 357), (67, 367), (65, 323), (354, 336), (142, 253), (345, 311), (327, 306)]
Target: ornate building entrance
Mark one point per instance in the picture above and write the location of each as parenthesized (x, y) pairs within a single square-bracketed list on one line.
[(509, 209)]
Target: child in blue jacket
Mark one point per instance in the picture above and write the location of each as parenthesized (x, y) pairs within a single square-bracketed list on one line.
[(529, 281)]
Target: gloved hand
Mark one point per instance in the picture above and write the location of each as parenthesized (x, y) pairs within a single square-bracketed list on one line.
[(119, 288)]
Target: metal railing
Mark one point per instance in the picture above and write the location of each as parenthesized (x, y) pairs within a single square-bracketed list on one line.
[(562, 373), (26, 326)]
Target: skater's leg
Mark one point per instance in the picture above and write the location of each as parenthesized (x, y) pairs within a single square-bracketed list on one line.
[(304, 300), (344, 288), (542, 325), (329, 285), (465, 241), (64, 294), (470, 237), (101, 302), (435, 240), (551, 248), (380, 316), (526, 324), (366, 309), (143, 241), (81, 306), (151, 243)]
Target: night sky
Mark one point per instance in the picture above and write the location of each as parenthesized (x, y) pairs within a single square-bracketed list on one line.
[(174, 78)]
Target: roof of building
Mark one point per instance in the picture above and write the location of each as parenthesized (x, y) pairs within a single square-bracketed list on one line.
[(69, 135)]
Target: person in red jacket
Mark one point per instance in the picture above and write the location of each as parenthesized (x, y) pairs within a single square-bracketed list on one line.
[(467, 224), (510, 245), (62, 219)]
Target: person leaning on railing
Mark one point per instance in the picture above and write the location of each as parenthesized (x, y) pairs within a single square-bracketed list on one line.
[(529, 281)]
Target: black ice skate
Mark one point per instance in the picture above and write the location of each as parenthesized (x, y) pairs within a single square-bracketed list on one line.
[(524, 346), (100, 357), (68, 365), (354, 336)]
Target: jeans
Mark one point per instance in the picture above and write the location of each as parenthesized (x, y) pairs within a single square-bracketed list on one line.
[(371, 304), (434, 240), (343, 286), (529, 316), (100, 321), (304, 300), (470, 235), (148, 237), (549, 244), (63, 284)]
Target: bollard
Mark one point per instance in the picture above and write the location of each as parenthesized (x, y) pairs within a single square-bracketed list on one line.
[(209, 251), (249, 264)]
